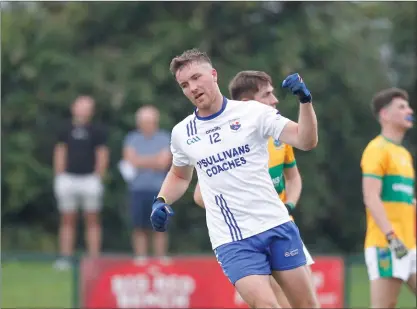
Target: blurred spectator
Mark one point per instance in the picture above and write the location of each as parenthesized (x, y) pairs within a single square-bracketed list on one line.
[(80, 162), (146, 151)]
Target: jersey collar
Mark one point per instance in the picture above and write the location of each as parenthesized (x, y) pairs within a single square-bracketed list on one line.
[(391, 141), (213, 115)]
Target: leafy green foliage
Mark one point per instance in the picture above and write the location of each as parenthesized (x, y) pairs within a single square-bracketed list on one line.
[(120, 54)]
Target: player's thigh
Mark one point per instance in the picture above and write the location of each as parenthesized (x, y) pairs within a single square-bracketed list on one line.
[(65, 192), (310, 261), (411, 282), (279, 294), (384, 292), (386, 274), (257, 292), (288, 262), (248, 269), (91, 193), (297, 286)]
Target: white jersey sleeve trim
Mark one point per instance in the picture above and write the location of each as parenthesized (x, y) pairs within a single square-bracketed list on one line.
[(179, 158)]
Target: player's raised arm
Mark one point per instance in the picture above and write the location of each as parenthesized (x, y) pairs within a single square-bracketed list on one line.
[(173, 188), (304, 134)]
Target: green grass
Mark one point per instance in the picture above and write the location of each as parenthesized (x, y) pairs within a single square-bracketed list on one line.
[(35, 285), (38, 285), (359, 291)]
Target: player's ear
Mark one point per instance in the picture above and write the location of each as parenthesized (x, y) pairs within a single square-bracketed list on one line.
[(214, 74), (383, 113)]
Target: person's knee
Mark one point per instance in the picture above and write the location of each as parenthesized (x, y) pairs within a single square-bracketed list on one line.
[(92, 219), (141, 232), (279, 294), (261, 300), (265, 303), (311, 302), (308, 301), (384, 303), (257, 292), (68, 219), (385, 292)]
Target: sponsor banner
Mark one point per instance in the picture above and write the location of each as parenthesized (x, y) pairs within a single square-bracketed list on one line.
[(182, 282)]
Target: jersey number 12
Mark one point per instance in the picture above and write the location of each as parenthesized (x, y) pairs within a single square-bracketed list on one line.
[(215, 138)]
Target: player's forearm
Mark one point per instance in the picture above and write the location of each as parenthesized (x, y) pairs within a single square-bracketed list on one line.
[(174, 187), (307, 127), (293, 190), (60, 159), (377, 210)]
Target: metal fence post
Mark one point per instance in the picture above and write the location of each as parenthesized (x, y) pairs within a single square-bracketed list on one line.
[(76, 283), (348, 281)]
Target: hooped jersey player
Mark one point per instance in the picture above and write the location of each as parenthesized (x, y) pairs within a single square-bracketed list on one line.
[(281, 156), (229, 151), (393, 164)]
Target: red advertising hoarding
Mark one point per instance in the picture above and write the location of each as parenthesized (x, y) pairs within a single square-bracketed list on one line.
[(186, 282)]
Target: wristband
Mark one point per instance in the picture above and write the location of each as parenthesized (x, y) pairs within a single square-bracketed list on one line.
[(162, 199), (306, 99), (390, 235)]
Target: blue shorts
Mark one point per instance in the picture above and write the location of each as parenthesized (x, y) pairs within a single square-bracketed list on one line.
[(279, 248), (141, 207)]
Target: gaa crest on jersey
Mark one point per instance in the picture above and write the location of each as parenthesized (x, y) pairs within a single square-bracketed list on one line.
[(235, 125)]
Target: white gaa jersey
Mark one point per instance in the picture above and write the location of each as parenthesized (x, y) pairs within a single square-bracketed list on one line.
[(229, 152)]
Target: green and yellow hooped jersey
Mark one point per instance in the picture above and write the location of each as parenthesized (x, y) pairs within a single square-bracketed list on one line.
[(280, 156), (393, 165)]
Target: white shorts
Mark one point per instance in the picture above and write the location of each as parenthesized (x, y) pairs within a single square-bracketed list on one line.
[(72, 190), (382, 263), (309, 259)]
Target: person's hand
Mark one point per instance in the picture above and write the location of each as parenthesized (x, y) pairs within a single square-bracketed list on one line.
[(396, 245), (161, 212), (295, 84)]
